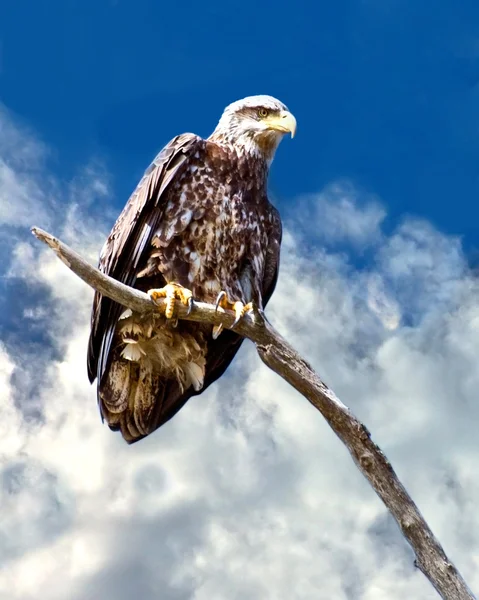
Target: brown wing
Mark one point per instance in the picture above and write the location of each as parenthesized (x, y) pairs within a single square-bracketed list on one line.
[(271, 269), (130, 235)]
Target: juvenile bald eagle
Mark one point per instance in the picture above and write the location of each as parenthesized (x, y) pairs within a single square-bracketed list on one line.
[(199, 224)]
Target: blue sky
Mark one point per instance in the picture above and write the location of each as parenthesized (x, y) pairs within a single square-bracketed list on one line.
[(385, 92), (378, 191)]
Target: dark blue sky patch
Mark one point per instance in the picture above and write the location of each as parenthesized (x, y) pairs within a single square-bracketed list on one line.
[(24, 311)]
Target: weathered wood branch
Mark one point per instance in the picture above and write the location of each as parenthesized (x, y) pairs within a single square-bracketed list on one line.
[(286, 362)]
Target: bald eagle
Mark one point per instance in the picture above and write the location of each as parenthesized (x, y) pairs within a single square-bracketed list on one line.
[(199, 225)]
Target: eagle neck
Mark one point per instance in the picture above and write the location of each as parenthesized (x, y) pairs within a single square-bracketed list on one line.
[(247, 159), (252, 164), (247, 142)]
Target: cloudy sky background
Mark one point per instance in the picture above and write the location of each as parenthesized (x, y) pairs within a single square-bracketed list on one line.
[(246, 493)]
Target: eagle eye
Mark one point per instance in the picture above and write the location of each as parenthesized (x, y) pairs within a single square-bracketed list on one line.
[(262, 112)]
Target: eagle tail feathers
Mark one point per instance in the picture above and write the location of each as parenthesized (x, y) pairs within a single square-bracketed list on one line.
[(128, 396), (150, 371)]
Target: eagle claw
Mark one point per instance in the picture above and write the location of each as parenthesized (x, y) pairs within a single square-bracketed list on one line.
[(240, 311), (172, 292), (220, 300), (237, 307)]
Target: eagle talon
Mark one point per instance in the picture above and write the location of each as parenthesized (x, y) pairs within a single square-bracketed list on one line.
[(172, 292), (240, 311), (217, 329), (237, 307), (220, 300)]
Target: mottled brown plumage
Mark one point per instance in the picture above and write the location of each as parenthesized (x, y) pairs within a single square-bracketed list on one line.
[(200, 217)]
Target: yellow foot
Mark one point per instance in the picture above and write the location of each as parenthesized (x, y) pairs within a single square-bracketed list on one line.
[(237, 307), (172, 292)]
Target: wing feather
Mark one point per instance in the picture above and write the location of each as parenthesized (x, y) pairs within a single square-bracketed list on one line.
[(271, 268), (128, 239)]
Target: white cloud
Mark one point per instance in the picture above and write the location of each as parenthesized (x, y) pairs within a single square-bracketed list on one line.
[(381, 303), (342, 215), (246, 493)]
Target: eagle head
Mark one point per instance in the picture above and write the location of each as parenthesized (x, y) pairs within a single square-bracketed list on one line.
[(256, 125)]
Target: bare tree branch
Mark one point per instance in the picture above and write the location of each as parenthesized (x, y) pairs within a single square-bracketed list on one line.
[(284, 360)]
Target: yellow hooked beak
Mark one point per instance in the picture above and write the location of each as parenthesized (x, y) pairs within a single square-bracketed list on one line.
[(284, 122)]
